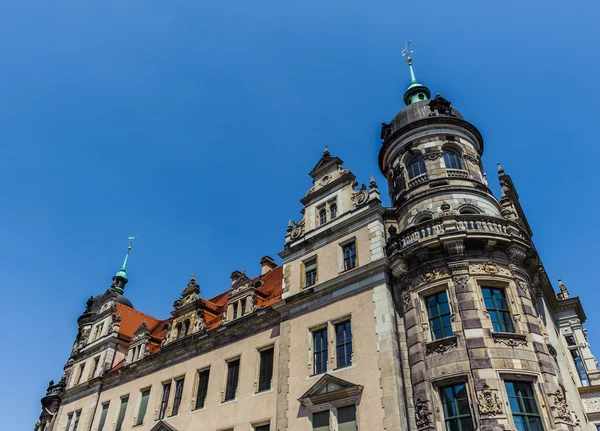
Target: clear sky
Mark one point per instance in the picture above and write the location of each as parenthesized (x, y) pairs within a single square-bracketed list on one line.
[(193, 124)]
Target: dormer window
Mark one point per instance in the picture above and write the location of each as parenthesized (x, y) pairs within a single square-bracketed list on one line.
[(452, 160), (235, 310), (415, 167), (186, 327), (333, 210), (179, 329), (322, 216)]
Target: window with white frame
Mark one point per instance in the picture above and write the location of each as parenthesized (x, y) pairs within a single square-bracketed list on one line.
[(341, 332), (265, 368), (103, 414), (143, 408), (231, 384), (202, 388), (310, 272), (349, 255)]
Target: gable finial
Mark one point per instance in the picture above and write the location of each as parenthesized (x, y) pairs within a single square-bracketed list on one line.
[(416, 92), (406, 52)]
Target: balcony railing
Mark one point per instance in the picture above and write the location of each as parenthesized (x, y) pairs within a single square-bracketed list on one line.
[(457, 173), (419, 179), (451, 224)]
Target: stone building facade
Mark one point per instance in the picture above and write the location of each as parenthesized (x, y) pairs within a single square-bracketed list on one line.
[(432, 314)]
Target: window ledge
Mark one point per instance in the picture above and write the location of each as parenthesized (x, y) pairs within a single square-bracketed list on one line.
[(268, 391), (334, 371), (441, 346), (201, 409), (511, 339), (222, 403)]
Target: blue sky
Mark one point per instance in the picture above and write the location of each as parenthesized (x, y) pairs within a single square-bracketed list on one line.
[(194, 124)]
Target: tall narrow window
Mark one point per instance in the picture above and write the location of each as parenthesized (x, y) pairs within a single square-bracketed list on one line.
[(266, 369), (95, 367), (343, 344), (164, 402), (122, 411), (322, 216), (416, 167), (103, 414), (179, 328), (69, 420), (235, 310), (320, 351), (439, 315), (497, 307), (202, 388), (310, 272), (452, 160), (320, 421), (178, 395), (76, 421), (143, 407), (80, 374), (243, 306), (580, 367), (333, 211), (346, 417), (233, 369), (523, 406), (349, 255), (457, 414), (186, 327)]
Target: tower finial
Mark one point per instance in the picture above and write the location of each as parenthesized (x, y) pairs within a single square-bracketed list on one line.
[(415, 91), (120, 278), (130, 241)]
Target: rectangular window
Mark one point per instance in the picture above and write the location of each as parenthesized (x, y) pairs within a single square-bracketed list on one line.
[(233, 369), (164, 402), (497, 306), (266, 369), (80, 373), (343, 344), (69, 420), (235, 310), (103, 414), (143, 407), (580, 367), (322, 216), (202, 388), (320, 351), (570, 340), (349, 255), (76, 421), (320, 421), (265, 427), (521, 399), (455, 403), (95, 367), (333, 211), (310, 272), (438, 311), (346, 418), (178, 395), (122, 411), (243, 306)]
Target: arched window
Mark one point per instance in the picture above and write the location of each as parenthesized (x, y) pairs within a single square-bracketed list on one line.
[(467, 209), (333, 211), (179, 331), (186, 327), (452, 160), (416, 167), (422, 218), (322, 216)]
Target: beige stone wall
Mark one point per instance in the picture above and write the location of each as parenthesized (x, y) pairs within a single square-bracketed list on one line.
[(365, 363), (248, 408)]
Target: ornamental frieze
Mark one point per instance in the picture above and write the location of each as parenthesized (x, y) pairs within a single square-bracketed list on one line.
[(489, 268), (510, 339), (440, 347), (422, 413)]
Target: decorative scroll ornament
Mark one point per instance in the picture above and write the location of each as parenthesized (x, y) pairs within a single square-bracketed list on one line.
[(471, 159), (440, 347), (298, 229), (432, 156), (361, 196), (489, 402), (461, 280), (422, 413), (510, 340), (561, 407)]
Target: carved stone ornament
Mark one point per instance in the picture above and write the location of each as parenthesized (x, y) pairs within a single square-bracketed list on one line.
[(489, 268), (488, 401), (446, 209), (461, 279), (298, 229), (406, 300), (422, 413), (523, 285), (432, 156), (399, 267), (516, 253), (561, 406), (471, 159), (510, 339), (361, 196), (325, 180), (440, 106), (455, 250), (440, 347)]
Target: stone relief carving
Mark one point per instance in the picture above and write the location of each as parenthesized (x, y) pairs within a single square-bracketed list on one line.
[(422, 413), (461, 279), (446, 209), (591, 403), (361, 196), (561, 406), (298, 229), (325, 180), (510, 341), (489, 268), (440, 347), (406, 300), (199, 325), (432, 156), (471, 159), (488, 401), (440, 106)]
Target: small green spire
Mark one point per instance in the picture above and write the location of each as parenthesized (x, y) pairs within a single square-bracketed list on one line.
[(416, 92), (122, 273)]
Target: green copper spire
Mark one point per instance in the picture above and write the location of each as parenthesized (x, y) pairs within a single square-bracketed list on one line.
[(416, 92), (120, 278)]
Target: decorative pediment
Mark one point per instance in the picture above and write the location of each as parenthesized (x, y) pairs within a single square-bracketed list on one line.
[(163, 426), (328, 389), (326, 162), (141, 331)]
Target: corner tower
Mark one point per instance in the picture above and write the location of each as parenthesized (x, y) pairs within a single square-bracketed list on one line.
[(467, 280)]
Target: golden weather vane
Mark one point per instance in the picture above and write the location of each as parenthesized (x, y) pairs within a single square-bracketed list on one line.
[(406, 51)]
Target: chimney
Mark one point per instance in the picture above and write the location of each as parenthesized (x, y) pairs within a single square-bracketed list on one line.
[(267, 263)]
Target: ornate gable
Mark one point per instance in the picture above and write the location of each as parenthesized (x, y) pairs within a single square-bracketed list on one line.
[(329, 389), (188, 313), (163, 426)]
